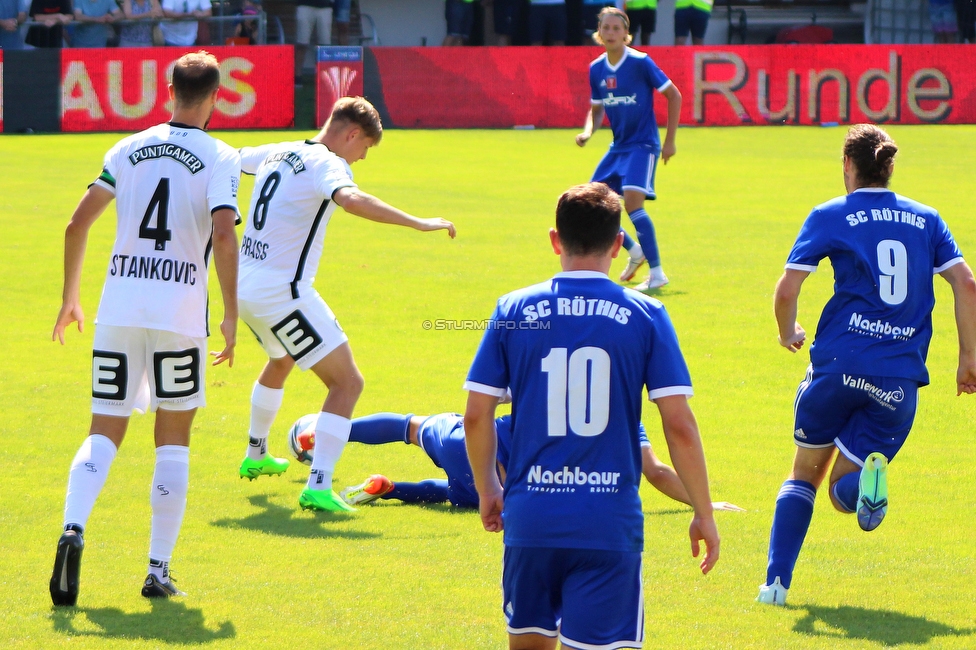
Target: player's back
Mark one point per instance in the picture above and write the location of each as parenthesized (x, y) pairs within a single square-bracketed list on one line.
[(884, 249), (579, 351), (290, 208), (626, 91), (167, 181)]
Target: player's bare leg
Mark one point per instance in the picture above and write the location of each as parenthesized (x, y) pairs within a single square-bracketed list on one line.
[(531, 642), (339, 373)]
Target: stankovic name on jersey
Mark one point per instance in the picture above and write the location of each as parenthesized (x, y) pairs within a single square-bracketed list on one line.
[(153, 268), (578, 306), (186, 158)]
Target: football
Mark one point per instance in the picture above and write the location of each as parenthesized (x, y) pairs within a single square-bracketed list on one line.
[(301, 438)]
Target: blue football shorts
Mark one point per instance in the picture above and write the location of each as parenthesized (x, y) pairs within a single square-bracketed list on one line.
[(633, 169), (442, 438), (588, 598), (860, 414)]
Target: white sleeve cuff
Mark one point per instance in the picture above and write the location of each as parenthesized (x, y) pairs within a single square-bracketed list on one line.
[(949, 264), (668, 391), (802, 267), (475, 387)]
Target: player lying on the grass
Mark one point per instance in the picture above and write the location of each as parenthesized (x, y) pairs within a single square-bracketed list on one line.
[(577, 351), (622, 85), (868, 360), (442, 439), (296, 189), (175, 190)]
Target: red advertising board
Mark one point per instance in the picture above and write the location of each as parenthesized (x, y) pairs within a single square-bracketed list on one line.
[(727, 85), (125, 89)]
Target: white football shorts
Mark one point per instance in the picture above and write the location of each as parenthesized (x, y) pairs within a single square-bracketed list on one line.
[(136, 367), (304, 329)]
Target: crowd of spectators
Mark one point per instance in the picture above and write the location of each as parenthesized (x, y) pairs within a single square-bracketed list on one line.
[(137, 23), (122, 23)]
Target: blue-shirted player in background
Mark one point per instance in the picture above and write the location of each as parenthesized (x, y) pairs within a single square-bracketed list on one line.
[(622, 85), (868, 359), (577, 352), (441, 437)]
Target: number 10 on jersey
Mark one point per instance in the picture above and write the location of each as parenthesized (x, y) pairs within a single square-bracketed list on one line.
[(578, 390)]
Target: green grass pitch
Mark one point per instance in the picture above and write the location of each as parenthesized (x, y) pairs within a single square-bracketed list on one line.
[(261, 573)]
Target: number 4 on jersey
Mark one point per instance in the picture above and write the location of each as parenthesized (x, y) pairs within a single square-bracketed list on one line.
[(158, 205)]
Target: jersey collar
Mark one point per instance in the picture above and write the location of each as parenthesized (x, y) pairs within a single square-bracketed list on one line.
[(614, 68), (871, 189), (582, 275), (180, 125)]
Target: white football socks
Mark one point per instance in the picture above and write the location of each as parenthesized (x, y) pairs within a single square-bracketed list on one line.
[(636, 252), (331, 436), (89, 469), (265, 403), (168, 499)]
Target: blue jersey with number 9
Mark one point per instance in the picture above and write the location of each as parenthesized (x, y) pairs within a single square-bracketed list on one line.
[(577, 352), (884, 249)]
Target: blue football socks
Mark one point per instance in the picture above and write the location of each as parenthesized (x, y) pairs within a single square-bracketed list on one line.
[(794, 510), (432, 490), (846, 490), (646, 237), (381, 428), (628, 240)]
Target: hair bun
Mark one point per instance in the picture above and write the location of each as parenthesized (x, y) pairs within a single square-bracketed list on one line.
[(885, 151)]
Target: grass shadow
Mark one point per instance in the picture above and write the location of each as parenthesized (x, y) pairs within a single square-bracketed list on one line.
[(169, 621), (668, 511), (886, 628), (279, 520)]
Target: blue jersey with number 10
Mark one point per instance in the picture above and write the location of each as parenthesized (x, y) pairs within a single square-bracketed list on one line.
[(577, 352), (626, 91), (885, 249)]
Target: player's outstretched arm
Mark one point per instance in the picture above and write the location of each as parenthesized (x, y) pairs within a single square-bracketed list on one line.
[(785, 305), (91, 206), (960, 278), (665, 480), (481, 442), (670, 147), (367, 206), (225, 262), (594, 119), (684, 444)]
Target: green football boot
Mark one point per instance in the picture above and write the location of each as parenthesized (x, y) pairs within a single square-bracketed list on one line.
[(267, 466), (323, 500), (872, 499)]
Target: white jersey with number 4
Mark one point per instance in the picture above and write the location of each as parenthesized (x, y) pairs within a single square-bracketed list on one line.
[(167, 180), (290, 208)]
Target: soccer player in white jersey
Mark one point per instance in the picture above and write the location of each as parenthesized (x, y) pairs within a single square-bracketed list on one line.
[(577, 351), (175, 189), (622, 86), (857, 404), (297, 187)]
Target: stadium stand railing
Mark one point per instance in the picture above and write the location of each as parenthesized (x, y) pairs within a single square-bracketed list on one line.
[(746, 18)]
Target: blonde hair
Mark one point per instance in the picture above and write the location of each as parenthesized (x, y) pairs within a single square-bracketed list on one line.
[(612, 11), (358, 111)]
